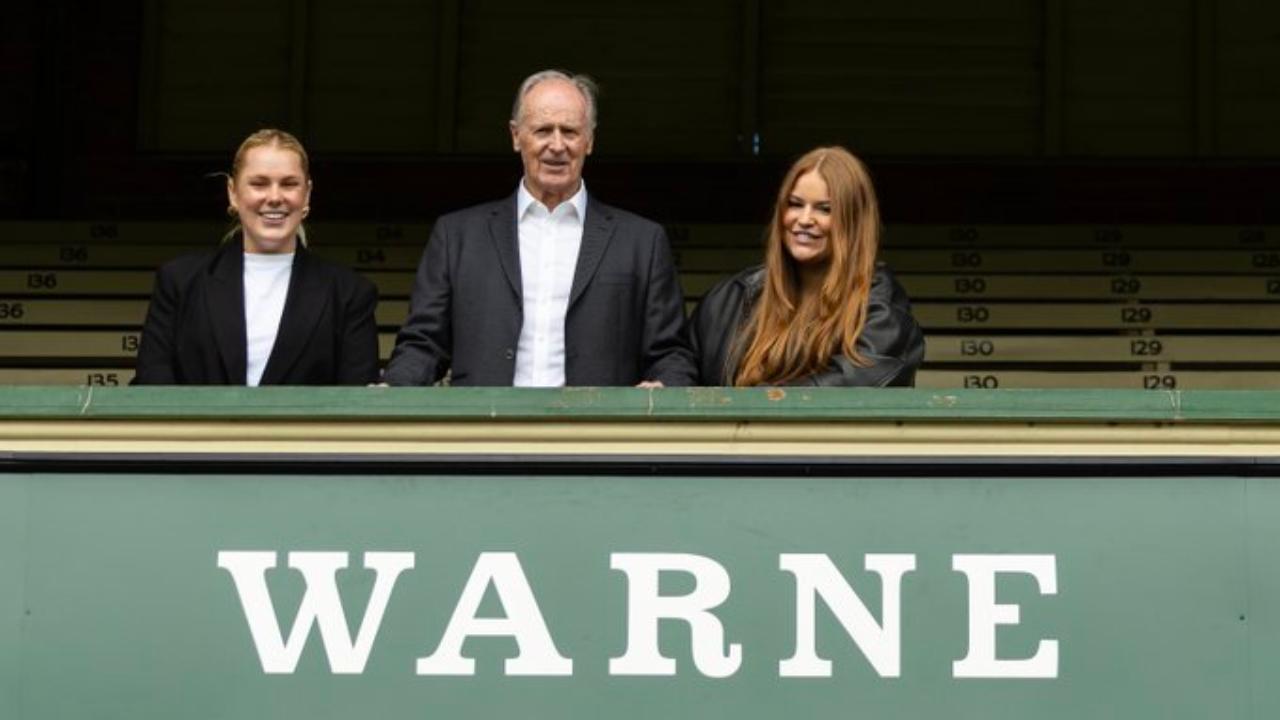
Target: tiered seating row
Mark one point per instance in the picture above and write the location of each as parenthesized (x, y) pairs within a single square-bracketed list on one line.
[(935, 379), (109, 344), (398, 284), (984, 238), (933, 316), (717, 260), (1153, 307)]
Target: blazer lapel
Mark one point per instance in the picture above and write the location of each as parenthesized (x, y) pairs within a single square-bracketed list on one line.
[(224, 303), (502, 227), (597, 229), (303, 306)]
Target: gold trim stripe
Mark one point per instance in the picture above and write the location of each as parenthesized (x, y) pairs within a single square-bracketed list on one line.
[(817, 440)]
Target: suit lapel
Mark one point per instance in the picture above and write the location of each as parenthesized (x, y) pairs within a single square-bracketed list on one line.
[(502, 227), (303, 306), (224, 304), (596, 231)]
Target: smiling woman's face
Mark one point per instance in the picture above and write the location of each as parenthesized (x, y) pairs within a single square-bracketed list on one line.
[(271, 195), (806, 222)]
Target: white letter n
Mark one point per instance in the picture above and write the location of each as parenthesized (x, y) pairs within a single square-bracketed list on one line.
[(817, 576), (321, 606)]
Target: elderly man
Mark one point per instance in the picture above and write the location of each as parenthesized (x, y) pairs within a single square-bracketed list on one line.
[(549, 286)]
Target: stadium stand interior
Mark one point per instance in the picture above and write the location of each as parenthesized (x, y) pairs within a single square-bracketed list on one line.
[(1156, 307), (1076, 194)]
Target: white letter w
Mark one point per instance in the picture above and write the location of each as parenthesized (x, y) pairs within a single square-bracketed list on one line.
[(321, 606)]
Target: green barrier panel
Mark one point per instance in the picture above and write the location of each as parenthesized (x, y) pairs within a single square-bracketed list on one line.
[(1160, 593), (699, 404), (13, 533), (1008, 585)]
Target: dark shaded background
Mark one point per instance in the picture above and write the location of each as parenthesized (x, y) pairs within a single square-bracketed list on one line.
[(1029, 111)]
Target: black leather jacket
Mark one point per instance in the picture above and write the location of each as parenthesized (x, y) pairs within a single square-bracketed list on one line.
[(891, 339)]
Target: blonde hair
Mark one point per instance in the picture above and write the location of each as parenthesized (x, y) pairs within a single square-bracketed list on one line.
[(267, 137), (792, 334)]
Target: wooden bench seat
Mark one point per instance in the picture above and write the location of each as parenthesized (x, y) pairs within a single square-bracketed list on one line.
[(933, 316), (1030, 286), (1107, 261), (97, 344), (69, 344), (975, 317), (1193, 237), (128, 314), (1220, 349), (138, 283), (95, 375), (78, 312), (991, 379), (928, 379), (921, 287), (724, 260), (199, 234)]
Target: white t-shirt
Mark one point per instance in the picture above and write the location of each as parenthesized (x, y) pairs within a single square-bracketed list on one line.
[(266, 285)]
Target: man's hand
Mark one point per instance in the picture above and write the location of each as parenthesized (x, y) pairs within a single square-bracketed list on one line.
[(650, 384)]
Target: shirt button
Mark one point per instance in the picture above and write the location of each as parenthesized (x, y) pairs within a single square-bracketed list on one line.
[(509, 354)]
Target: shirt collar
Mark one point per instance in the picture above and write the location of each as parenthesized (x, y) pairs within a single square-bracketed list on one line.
[(525, 200), (269, 259)]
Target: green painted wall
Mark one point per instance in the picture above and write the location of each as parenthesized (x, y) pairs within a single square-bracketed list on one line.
[(13, 545), (111, 604)]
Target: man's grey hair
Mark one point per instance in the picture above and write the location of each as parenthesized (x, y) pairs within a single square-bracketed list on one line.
[(584, 83)]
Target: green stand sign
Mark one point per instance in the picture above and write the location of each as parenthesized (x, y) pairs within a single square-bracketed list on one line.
[(148, 585), (231, 596)]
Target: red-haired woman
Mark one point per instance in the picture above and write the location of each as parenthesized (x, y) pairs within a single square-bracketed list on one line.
[(260, 309), (820, 311)]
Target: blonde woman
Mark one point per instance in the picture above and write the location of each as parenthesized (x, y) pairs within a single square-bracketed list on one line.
[(821, 310), (260, 309)]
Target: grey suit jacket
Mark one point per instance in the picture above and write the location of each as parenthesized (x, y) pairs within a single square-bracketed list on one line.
[(625, 320)]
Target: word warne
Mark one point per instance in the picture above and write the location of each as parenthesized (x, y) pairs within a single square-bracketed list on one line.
[(814, 575)]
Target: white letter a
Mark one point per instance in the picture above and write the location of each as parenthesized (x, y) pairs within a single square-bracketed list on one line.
[(524, 622)]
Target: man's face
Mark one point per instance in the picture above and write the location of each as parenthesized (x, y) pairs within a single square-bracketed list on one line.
[(553, 138)]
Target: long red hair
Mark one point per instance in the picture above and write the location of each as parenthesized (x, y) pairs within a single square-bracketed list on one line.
[(792, 334)]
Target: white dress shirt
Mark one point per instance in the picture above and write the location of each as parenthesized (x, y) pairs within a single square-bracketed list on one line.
[(266, 285), (549, 243)]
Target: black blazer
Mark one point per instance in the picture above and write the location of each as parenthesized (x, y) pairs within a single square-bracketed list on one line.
[(891, 340), (195, 331), (624, 323)]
